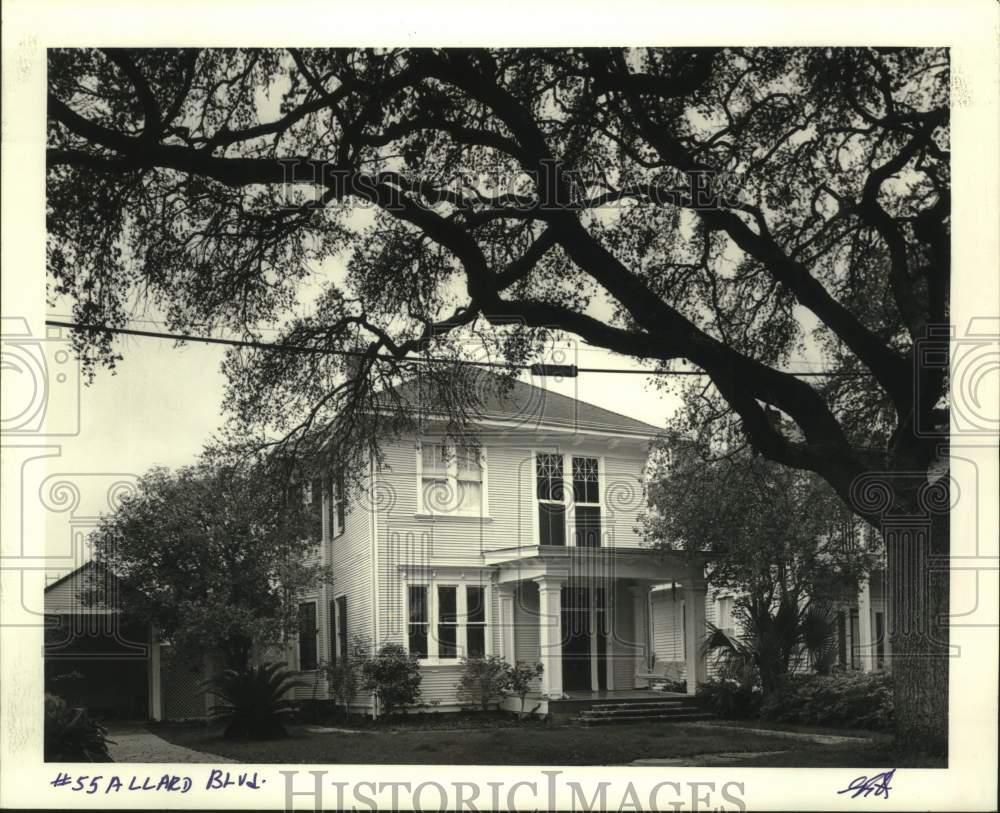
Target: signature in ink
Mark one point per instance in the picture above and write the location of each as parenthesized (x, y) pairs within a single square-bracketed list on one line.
[(877, 785)]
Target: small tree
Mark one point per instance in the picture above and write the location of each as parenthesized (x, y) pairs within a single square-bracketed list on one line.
[(343, 682), (484, 680), (215, 555), (393, 675), (520, 677)]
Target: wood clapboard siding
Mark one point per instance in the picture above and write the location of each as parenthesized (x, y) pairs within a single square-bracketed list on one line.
[(526, 639), (623, 501), (350, 554)]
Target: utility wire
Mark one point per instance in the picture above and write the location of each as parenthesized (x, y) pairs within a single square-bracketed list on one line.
[(539, 369)]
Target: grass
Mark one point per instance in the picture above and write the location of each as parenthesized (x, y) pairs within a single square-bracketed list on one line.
[(553, 744), (550, 744)]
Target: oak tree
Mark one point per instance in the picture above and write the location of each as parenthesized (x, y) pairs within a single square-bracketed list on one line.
[(724, 208)]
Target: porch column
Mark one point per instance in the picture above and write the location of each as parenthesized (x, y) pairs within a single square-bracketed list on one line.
[(550, 633), (507, 646), (640, 614), (695, 591), (865, 645)]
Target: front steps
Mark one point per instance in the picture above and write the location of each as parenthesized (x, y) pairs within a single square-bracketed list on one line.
[(674, 710)]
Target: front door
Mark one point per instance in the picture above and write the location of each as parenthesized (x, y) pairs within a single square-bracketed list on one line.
[(576, 666)]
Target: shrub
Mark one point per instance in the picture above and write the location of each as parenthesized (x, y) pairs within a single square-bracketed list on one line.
[(71, 735), (343, 682), (842, 699), (519, 681), (393, 674), (484, 680), (254, 702), (729, 698)]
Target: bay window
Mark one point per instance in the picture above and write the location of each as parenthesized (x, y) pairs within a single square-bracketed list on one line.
[(455, 614)]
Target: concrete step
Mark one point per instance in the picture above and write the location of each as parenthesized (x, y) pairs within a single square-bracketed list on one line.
[(635, 704), (686, 717), (637, 712)]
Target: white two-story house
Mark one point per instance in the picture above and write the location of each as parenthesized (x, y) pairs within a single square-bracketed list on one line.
[(524, 547)]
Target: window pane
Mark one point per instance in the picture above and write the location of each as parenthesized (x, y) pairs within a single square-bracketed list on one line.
[(418, 603), (468, 464), (447, 641), (551, 524), (587, 533), (438, 496), (475, 604), (433, 458), (549, 473), (469, 497), (447, 605), (477, 641), (585, 479), (418, 640)]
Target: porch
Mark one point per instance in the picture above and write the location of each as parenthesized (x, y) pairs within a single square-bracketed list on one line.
[(585, 614)]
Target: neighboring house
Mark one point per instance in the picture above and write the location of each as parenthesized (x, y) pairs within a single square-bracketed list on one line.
[(859, 646), (525, 548)]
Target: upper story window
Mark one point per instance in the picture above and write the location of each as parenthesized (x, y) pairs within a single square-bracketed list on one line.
[(587, 502), (314, 503), (338, 507), (551, 507), (452, 480), (552, 491)]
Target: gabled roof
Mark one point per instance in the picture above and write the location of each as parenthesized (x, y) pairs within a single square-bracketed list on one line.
[(528, 406)]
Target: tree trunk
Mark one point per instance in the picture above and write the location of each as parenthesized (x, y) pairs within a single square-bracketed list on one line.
[(917, 589)]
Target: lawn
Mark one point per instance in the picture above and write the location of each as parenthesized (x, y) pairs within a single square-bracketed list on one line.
[(553, 744)]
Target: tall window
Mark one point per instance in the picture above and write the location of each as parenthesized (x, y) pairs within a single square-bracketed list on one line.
[(842, 638), (475, 631), (417, 628), (338, 508), (451, 479), (724, 621), (314, 500), (587, 502), (342, 627), (307, 635), (447, 628), (550, 490)]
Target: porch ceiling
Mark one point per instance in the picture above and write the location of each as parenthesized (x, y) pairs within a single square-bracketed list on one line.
[(533, 561)]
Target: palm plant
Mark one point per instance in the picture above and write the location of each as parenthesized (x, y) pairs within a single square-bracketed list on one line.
[(71, 735), (254, 702)]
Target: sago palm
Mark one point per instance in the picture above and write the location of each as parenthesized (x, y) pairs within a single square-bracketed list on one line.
[(254, 702)]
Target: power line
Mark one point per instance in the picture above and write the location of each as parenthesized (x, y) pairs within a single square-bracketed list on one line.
[(568, 370)]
